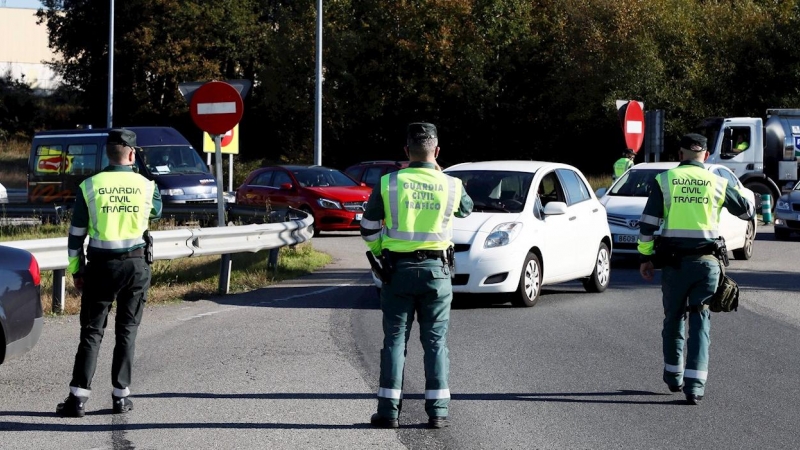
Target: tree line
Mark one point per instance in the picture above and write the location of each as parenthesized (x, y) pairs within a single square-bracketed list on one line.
[(502, 79)]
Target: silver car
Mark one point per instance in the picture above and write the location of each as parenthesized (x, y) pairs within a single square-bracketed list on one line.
[(787, 214), (20, 302)]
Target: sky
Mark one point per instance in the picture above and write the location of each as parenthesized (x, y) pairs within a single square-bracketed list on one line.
[(34, 4)]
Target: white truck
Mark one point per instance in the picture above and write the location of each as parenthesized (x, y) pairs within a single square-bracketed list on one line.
[(763, 154)]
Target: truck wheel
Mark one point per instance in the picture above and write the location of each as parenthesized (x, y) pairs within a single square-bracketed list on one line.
[(759, 188), (746, 252)]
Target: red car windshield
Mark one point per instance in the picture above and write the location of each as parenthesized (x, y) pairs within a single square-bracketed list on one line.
[(318, 177)]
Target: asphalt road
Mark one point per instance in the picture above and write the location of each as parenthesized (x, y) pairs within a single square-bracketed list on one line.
[(296, 366)]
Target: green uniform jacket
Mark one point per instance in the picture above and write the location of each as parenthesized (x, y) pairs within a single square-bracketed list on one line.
[(733, 202), (80, 223)]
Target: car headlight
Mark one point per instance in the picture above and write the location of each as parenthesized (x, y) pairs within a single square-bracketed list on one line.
[(783, 204), (329, 204), (503, 234), (171, 192)]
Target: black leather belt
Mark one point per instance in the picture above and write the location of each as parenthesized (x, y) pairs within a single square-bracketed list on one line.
[(135, 253), (419, 255)]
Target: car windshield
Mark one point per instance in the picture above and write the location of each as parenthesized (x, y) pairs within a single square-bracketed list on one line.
[(322, 177), (635, 183), (495, 190), (172, 159)]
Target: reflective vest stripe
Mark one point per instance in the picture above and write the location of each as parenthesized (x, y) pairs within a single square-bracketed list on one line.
[(451, 201), (390, 393), (697, 234), (696, 374), (371, 237), (650, 220), (73, 253), (435, 394), (77, 231), (88, 192), (115, 245), (645, 238), (371, 224), (394, 202)]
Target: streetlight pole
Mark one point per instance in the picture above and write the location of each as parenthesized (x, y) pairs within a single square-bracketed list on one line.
[(110, 66), (318, 99)]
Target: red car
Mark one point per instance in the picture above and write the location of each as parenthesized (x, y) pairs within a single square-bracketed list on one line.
[(335, 200)]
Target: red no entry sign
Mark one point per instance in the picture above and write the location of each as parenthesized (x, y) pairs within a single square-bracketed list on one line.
[(633, 128), (216, 107)]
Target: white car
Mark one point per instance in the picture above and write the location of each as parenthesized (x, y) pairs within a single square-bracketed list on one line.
[(534, 224), (3, 194), (625, 200)]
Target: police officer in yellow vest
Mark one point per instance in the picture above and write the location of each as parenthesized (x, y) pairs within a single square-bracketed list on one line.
[(409, 222), (624, 163), (689, 199), (113, 208)]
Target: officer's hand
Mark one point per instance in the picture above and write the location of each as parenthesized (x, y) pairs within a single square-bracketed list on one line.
[(78, 282), (647, 270)]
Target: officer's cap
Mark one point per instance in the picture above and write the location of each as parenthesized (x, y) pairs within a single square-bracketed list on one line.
[(121, 136), (694, 142), (418, 131)]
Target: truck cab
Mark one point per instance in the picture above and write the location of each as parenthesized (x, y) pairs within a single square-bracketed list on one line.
[(61, 159), (762, 154)]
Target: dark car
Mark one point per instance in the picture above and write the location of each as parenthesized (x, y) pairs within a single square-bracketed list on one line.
[(20, 302), (370, 172), (334, 199)]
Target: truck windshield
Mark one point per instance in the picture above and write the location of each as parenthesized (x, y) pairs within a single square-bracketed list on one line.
[(172, 159)]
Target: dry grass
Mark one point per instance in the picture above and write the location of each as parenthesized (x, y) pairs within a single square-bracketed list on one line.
[(599, 181), (14, 164)]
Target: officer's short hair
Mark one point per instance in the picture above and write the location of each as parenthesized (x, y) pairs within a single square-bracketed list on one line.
[(629, 152), (421, 138), (694, 142)]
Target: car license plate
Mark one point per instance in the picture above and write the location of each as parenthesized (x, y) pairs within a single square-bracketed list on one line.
[(358, 216), (627, 238)]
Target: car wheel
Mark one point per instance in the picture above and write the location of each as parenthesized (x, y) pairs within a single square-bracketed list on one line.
[(782, 234), (746, 252), (314, 228), (530, 282), (601, 275)]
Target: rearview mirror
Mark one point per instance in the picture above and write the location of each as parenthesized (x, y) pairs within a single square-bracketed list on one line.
[(555, 208)]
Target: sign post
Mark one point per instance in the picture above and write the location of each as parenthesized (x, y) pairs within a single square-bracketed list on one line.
[(216, 107)]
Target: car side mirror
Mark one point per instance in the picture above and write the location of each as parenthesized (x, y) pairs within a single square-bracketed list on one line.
[(363, 184), (600, 192), (286, 186), (555, 208)]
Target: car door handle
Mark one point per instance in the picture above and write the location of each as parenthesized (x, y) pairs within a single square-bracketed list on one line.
[(573, 217), (595, 210)]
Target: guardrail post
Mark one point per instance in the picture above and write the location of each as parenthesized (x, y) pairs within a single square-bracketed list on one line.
[(272, 261), (225, 274), (58, 291)]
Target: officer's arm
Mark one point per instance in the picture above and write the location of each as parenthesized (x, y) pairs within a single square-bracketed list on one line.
[(465, 204), (737, 204), (155, 210), (372, 222), (650, 221), (77, 235)]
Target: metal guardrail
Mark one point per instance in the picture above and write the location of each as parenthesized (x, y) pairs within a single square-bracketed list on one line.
[(51, 254)]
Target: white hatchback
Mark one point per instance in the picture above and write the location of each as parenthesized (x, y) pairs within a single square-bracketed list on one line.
[(625, 200), (534, 224)]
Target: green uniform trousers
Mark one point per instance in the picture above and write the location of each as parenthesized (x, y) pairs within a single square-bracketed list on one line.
[(424, 288), (692, 283), (127, 280)]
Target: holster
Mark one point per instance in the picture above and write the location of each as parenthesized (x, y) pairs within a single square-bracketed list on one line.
[(148, 247), (451, 260), (380, 267)]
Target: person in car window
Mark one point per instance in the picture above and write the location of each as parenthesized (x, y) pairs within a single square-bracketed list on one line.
[(409, 222), (690, 200)]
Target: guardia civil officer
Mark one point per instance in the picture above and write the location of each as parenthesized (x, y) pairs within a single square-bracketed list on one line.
[(113, 208), (624, 163), (690, 199), (409, 219)]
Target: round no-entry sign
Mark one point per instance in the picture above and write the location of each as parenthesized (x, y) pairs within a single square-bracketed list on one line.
[(216, 107), (633, 128)]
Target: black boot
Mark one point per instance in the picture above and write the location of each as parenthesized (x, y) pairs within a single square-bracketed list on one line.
[(72, 406), (438, 422), (383, 422), (121, 405)]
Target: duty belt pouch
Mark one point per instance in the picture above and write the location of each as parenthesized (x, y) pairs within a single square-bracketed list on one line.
[(148, 247), (726, 298), (451, 261)]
